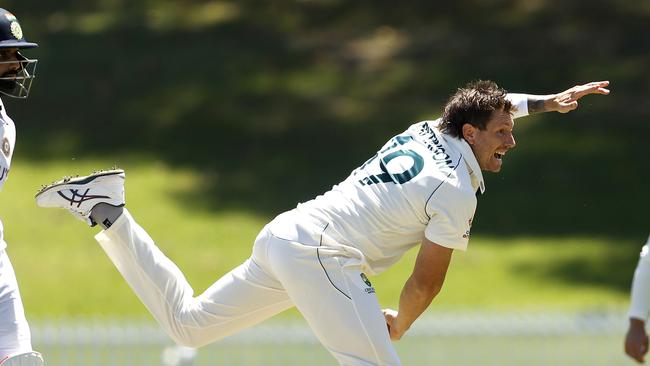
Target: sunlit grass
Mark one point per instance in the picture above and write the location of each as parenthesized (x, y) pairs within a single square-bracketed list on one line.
[(528, 273)]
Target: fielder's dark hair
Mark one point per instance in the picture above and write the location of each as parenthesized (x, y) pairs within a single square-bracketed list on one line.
[(473, 104)]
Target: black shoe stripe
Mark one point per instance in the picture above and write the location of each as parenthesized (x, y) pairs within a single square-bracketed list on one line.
[(81, 197)]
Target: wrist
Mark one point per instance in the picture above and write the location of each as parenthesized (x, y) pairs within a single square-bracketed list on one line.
[(636, 323), (542, 103), (401, 325), (550, 103)]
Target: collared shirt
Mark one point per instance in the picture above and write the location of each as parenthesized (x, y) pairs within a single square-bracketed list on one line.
[(468, 156), (418, 184), (421, 183)]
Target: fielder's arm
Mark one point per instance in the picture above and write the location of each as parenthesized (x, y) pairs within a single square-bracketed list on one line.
[(419, 290), (565, 101), (636, 339)]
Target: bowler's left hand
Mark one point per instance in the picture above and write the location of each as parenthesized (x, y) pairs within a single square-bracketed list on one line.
[(567, 100)]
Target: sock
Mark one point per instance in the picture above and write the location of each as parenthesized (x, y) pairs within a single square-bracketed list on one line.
[(105, 214)]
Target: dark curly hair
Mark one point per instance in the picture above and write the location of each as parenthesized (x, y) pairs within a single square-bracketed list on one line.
[(473, 104)]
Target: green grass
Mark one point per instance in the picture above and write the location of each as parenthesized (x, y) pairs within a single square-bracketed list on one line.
[(459, 351), (63, 272), (523, 273)]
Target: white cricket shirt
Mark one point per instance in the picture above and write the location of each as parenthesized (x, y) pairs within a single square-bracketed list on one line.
[(7, 143), (421, 183), (640, 296)]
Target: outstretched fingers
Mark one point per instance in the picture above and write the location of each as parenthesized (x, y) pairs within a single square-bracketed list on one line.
[(567, 100), (596, 87)]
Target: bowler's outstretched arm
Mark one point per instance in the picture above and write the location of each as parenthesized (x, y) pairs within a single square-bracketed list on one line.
[(567, 100)]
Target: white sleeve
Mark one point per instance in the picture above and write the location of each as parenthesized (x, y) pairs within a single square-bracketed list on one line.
[(7, 143), (6, 147), (640, 297), (520, 102), (451, 220), (4, 169)]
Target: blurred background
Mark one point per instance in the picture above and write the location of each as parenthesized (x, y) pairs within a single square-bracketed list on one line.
[(226, 113)]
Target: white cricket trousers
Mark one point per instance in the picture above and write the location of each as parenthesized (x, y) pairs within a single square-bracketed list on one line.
[(325, 285), (14, 330)]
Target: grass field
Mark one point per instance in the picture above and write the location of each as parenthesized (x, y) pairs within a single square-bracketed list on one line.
[(62, 272), (454, 338), (534, 350), (505, 351)]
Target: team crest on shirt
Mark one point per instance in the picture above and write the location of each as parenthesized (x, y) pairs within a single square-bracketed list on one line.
[(370, 289), (466, 235), (6, 147)]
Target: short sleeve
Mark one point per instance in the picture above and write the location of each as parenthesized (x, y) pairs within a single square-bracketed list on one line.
[(451, 220), (520, 102), (7, 143), (6, 146)]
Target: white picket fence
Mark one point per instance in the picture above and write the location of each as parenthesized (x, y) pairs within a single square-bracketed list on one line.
[(452, 338)]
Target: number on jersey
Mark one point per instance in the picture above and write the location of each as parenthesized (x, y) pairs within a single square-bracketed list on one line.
[(385, 156)]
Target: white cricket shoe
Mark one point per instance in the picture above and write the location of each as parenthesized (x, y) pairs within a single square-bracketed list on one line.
[(80, 194), (31, 358)]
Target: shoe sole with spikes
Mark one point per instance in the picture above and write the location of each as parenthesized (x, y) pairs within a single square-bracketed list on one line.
[(81, 194)]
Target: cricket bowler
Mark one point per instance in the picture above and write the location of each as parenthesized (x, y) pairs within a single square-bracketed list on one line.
[(418, 189)]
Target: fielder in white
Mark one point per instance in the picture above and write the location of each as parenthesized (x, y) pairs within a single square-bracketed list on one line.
[(420, 187), (636, 340), (16, 76)]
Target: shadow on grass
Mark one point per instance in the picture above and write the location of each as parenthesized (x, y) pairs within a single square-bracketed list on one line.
[(610, 266)]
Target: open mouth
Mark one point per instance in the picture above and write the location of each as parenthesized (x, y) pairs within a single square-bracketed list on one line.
[(498, 155)]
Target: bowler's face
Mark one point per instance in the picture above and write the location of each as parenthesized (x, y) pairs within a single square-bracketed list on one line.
[(492, 143), (9, 64)]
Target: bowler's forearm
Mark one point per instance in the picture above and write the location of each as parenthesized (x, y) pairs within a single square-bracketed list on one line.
[(414, 300)]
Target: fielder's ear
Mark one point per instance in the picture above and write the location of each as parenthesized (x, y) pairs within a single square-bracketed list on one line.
[(469, 133)]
